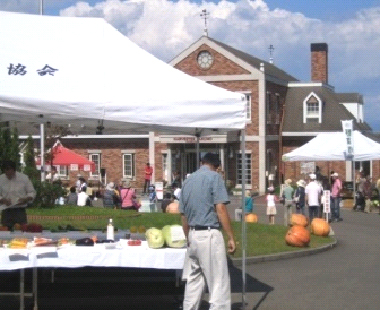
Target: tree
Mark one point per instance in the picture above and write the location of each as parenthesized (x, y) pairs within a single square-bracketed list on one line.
[(9, 146), (30, 168)]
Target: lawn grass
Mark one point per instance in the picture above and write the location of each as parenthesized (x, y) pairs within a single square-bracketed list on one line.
[(262, 239)]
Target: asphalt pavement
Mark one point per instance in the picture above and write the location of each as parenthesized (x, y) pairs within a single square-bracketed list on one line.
[(345, 277)]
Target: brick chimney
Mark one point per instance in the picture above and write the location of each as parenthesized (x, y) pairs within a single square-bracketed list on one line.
[(319, 62)]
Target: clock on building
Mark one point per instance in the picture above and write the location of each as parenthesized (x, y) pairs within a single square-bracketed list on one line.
[(205, 59)]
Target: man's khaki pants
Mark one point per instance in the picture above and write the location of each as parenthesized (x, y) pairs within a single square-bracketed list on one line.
[(207, 267)]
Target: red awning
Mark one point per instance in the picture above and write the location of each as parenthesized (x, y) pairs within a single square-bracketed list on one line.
[(63, 156)]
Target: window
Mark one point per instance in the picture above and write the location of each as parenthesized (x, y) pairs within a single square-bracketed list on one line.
[(312, 109), (95, 157), (129, 166), (268, 108), (62, 171), (239, 170), (277, 109)]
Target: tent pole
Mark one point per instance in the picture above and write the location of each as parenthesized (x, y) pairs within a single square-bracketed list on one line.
[(243, 225), (197, 134), (42, 146)]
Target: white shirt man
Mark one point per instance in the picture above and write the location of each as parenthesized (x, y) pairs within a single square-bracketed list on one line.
[(313, 193)]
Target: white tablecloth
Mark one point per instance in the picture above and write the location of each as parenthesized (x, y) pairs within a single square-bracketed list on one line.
[(93, 256)]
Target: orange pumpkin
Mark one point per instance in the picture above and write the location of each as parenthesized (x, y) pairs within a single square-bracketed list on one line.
[(297, 236), (251, 218), (320, 227), (172, 208), (299, 219), (17, 227)]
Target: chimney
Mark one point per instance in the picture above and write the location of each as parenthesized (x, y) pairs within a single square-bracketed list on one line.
[(319, 62)]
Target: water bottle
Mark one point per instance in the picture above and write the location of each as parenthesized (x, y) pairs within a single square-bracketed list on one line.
[(110, 230)]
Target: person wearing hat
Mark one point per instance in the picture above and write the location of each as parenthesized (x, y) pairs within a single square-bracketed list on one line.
[(299, 197), (313, 193), (127, 195), (336, 188), (109, 195), (287, 195)]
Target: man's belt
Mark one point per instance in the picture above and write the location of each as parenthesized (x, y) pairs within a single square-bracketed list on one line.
[(199, 227)]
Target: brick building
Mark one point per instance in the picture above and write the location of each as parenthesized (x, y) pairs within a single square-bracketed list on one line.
[(282, 114)]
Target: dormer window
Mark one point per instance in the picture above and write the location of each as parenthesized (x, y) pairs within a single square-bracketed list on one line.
[(312, 109)]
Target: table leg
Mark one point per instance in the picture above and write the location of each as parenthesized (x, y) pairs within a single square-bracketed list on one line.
[(22, 287), (35, 288)]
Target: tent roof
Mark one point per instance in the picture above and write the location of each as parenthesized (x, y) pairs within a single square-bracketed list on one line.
[(332, 146), (92, 72), (63, 156)]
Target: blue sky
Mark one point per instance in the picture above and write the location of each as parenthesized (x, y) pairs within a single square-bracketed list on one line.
[(351, 28)]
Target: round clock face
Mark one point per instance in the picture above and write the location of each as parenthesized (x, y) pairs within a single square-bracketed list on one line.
[(205, 59)]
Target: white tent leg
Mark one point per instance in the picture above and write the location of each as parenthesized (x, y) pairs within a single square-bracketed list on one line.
[(243, 225)]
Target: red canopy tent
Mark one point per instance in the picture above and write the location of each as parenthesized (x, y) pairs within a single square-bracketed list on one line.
[(63, 156)]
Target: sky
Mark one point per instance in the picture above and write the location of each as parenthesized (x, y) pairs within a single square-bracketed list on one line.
[(351, 28)]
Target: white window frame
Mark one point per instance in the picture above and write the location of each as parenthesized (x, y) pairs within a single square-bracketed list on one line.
[(131, 154), (96, 173), (306, 114), (248, 171), (63, 171)]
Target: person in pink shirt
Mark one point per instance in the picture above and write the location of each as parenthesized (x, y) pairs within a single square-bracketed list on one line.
[(336, 188), (148, 171), (127, 194)]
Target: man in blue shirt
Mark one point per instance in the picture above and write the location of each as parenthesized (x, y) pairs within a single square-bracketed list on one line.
[(203, 211)]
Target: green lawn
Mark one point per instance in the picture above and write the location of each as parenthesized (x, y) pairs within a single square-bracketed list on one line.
[(262, 239)]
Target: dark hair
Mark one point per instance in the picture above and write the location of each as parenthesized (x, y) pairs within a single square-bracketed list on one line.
[(211, 159), (84, 188), (72, 189), (8, 164), (168, 195)]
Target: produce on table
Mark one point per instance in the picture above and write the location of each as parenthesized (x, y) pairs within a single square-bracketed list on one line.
[(18, 243), (297, 236), (155, 238), (3, 228), (134, 242), (174, 236)]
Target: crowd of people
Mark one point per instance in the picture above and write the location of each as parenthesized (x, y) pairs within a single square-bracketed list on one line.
[(308, 198)]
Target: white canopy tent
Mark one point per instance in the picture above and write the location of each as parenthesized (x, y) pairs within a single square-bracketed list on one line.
[(83, 71), (333, 146)]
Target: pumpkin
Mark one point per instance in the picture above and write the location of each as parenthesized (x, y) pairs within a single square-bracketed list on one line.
[(17, 227), (3, 228), (320, 227), (297, 236), (251, 218), (172, 208), (299, 219)]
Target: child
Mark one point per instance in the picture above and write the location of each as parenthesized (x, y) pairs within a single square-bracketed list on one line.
[(271, 204), (248, 204), (152, 198)]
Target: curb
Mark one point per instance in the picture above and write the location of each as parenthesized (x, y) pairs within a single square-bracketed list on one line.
[(237, 262)]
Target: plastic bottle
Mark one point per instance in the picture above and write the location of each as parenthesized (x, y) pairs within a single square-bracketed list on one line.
[(110, 230)]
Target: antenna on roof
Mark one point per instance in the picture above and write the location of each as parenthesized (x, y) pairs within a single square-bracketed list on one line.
[(204, 15), (271, 51)]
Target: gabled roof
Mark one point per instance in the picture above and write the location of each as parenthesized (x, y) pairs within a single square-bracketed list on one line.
[(270, 69), (332, 111)]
